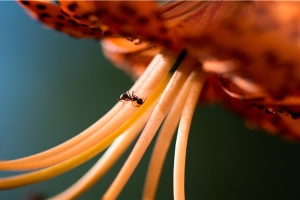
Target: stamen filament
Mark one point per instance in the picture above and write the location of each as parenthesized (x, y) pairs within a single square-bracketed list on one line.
[(107, 160), (15, 164), (182, 136), (164, 140), (152, 126), (147, 82), (50, 172)]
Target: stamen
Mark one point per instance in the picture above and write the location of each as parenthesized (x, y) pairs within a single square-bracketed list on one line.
[(16, 164), (164, 140), (50, 172), (107, 160), (111, 155), (182, 136), (146, 83), (152, 126)]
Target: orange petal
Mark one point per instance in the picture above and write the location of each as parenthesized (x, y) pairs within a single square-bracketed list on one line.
[(263, 47), (275, 121), (207, 15), (128, 56), (136, 19), (53, 17)]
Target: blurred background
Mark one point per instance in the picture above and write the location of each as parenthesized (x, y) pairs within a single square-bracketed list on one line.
[(52, 87)]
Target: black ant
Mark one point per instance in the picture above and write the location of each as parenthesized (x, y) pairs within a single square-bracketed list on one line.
[(131, 97)]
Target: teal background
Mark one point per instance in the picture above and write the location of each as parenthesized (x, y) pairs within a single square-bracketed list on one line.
[(52, 87)]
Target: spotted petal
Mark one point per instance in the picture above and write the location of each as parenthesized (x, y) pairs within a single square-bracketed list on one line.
[(135, 19), (256, 116), (52, 16), (128, 56), (264, 48)]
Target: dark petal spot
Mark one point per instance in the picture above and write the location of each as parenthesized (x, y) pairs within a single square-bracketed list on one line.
[(59, 24), (118, 20), (41, 7), (95, 29), (260, 107), (127, 10), (75, 25), (42, 16), (163, 30), (71, 21), (152, 38), (294, 115), (61, 17), (281, 93), (143, 21), (239, 55), (72, 6), (270, 57), (85, 16), (100, 12), (76, 17), (166, 43), (231, 27), (26, 3)]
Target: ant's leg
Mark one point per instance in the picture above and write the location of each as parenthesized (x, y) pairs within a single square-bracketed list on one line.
[(133, 95), (144, 100), (122, 102), (136, 105)]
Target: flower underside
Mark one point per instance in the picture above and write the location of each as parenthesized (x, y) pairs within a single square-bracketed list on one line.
[(182, 53)]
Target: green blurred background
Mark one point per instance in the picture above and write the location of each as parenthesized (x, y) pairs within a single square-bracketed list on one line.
[(52, 87)]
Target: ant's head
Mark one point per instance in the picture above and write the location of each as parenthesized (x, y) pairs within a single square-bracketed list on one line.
[(139, 101)]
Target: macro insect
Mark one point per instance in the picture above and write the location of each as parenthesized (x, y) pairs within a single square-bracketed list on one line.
[(135, 100)]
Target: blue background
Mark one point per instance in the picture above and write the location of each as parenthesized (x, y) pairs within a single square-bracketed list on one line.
[(52, 87)]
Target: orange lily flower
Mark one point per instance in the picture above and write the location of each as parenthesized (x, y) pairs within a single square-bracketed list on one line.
[(242, 53)]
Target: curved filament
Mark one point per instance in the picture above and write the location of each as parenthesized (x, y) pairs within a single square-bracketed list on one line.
[(50, 172), (164, 140), (152, 126), (182, 136), (145, 84)]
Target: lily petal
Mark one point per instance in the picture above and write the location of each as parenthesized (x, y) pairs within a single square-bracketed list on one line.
[(128, 56), (263, 52), (270, 118), (136, 19), (53, 17)]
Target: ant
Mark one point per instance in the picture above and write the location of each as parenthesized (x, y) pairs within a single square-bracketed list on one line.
[(131, 97)]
